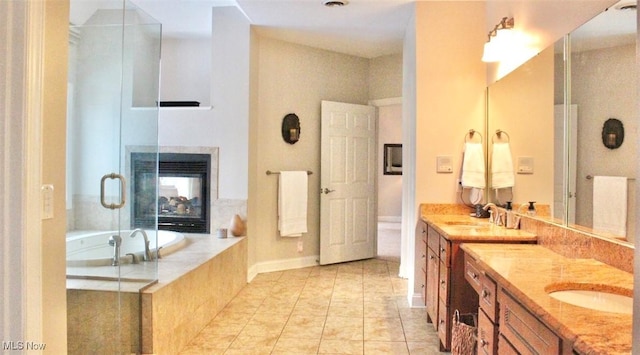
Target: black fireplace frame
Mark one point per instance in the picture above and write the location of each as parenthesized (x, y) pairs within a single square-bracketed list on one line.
[(175, 165)]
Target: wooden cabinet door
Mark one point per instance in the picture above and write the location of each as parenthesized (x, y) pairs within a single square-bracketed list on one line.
[(433, 277)]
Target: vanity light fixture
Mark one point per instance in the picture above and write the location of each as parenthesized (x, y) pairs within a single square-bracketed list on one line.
[(498, 40)]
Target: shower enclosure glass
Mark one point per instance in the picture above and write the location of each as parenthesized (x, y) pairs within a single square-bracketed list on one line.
[(114, 64)]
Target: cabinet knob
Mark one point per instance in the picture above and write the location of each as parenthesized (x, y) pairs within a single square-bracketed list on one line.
[(442, 282), (423, 256), (483, 343), (431, 257), (485, 294), (474, 276)]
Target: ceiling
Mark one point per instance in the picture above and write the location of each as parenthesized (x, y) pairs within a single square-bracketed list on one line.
[(364, 28)]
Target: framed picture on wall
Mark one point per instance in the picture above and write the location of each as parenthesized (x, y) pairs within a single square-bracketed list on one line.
[(392, 164)]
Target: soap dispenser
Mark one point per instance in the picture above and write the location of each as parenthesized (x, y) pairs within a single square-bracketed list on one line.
[(531, 211), (509, 216)]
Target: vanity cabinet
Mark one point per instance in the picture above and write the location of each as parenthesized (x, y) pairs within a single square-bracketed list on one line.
[(504, 325), (487, 306), (446, 289)]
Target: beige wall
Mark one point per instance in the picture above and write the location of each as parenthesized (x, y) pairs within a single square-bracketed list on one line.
[(294, 79), (385, 77), (449, 91), (56, 44), (521, 104)]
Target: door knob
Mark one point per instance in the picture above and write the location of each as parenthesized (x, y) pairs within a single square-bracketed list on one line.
[(326, 191)]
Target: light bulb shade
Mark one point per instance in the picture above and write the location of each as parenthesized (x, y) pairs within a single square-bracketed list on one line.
[(498, 46), (490, 53)]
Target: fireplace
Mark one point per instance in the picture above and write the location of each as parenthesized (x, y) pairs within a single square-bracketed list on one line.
[(182, 191)]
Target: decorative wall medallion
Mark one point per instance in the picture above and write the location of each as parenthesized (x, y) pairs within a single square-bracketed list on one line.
[(291, 128)]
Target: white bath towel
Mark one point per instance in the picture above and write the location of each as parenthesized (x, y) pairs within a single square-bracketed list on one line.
[(501, 166), (610, 204), (472, 174), (292, 203)]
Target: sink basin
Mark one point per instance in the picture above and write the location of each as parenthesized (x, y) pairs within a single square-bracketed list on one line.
[(596, 300)]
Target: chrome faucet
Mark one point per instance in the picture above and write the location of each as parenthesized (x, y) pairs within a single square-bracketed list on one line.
[(115, 241), (147, 252), (495, 213)]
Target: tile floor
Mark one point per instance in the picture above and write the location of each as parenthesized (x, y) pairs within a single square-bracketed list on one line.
[(352, 308)]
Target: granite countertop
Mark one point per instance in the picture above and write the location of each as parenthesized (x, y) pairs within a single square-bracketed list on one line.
[(528, 272), (457, 227)]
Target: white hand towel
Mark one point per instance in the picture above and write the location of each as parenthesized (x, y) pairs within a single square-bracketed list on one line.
[(292, 203), (501, 166), (610, 204), (473, 166)]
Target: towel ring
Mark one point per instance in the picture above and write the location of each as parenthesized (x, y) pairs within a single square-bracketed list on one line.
[(499, 133), (470, 135)]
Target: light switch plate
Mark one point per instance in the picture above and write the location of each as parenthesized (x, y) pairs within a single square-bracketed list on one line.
[(444, 164), (525, 165)]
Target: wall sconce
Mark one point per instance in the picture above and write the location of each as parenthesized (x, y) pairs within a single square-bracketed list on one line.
[(499, 40), (612, 133), (291, 128)]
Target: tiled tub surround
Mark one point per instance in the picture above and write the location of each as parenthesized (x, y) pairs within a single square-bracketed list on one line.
[(194, 284), (526, 271)]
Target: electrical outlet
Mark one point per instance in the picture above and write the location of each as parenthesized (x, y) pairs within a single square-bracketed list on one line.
[(300, 246)]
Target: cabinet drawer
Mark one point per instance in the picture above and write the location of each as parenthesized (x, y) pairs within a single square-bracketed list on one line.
[(443, 283), (524, 331), (487, 335), (472, 273), (433, 239), (444, 326), (423, 254), (488, 297), (445, 251)]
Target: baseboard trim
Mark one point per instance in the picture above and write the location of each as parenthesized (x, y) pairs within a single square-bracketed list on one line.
[(417, 301), (390, 219), (280, 265)]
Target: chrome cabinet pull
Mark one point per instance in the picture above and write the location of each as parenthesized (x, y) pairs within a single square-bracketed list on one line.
[(123, 191)]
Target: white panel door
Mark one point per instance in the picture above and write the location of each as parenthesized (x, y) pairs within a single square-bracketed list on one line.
[(348, 182)]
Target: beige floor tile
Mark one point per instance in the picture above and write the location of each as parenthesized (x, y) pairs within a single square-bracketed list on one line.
[(292, 345), (263, 342), (352, 308), (343, 328), (385, 347), (341, 347), (424, 348), (417, 329), (383, 329), (304, 327)]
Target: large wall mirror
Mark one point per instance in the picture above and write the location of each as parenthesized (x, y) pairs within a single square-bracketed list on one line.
[(558, 151)]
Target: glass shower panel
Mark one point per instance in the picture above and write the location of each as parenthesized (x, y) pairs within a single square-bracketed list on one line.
[(114, 63)]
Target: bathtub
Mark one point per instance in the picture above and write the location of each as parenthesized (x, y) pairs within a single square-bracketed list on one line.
[(93, 249)]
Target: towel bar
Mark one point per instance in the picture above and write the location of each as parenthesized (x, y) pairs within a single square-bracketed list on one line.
[(590, 177), (269, 172)]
